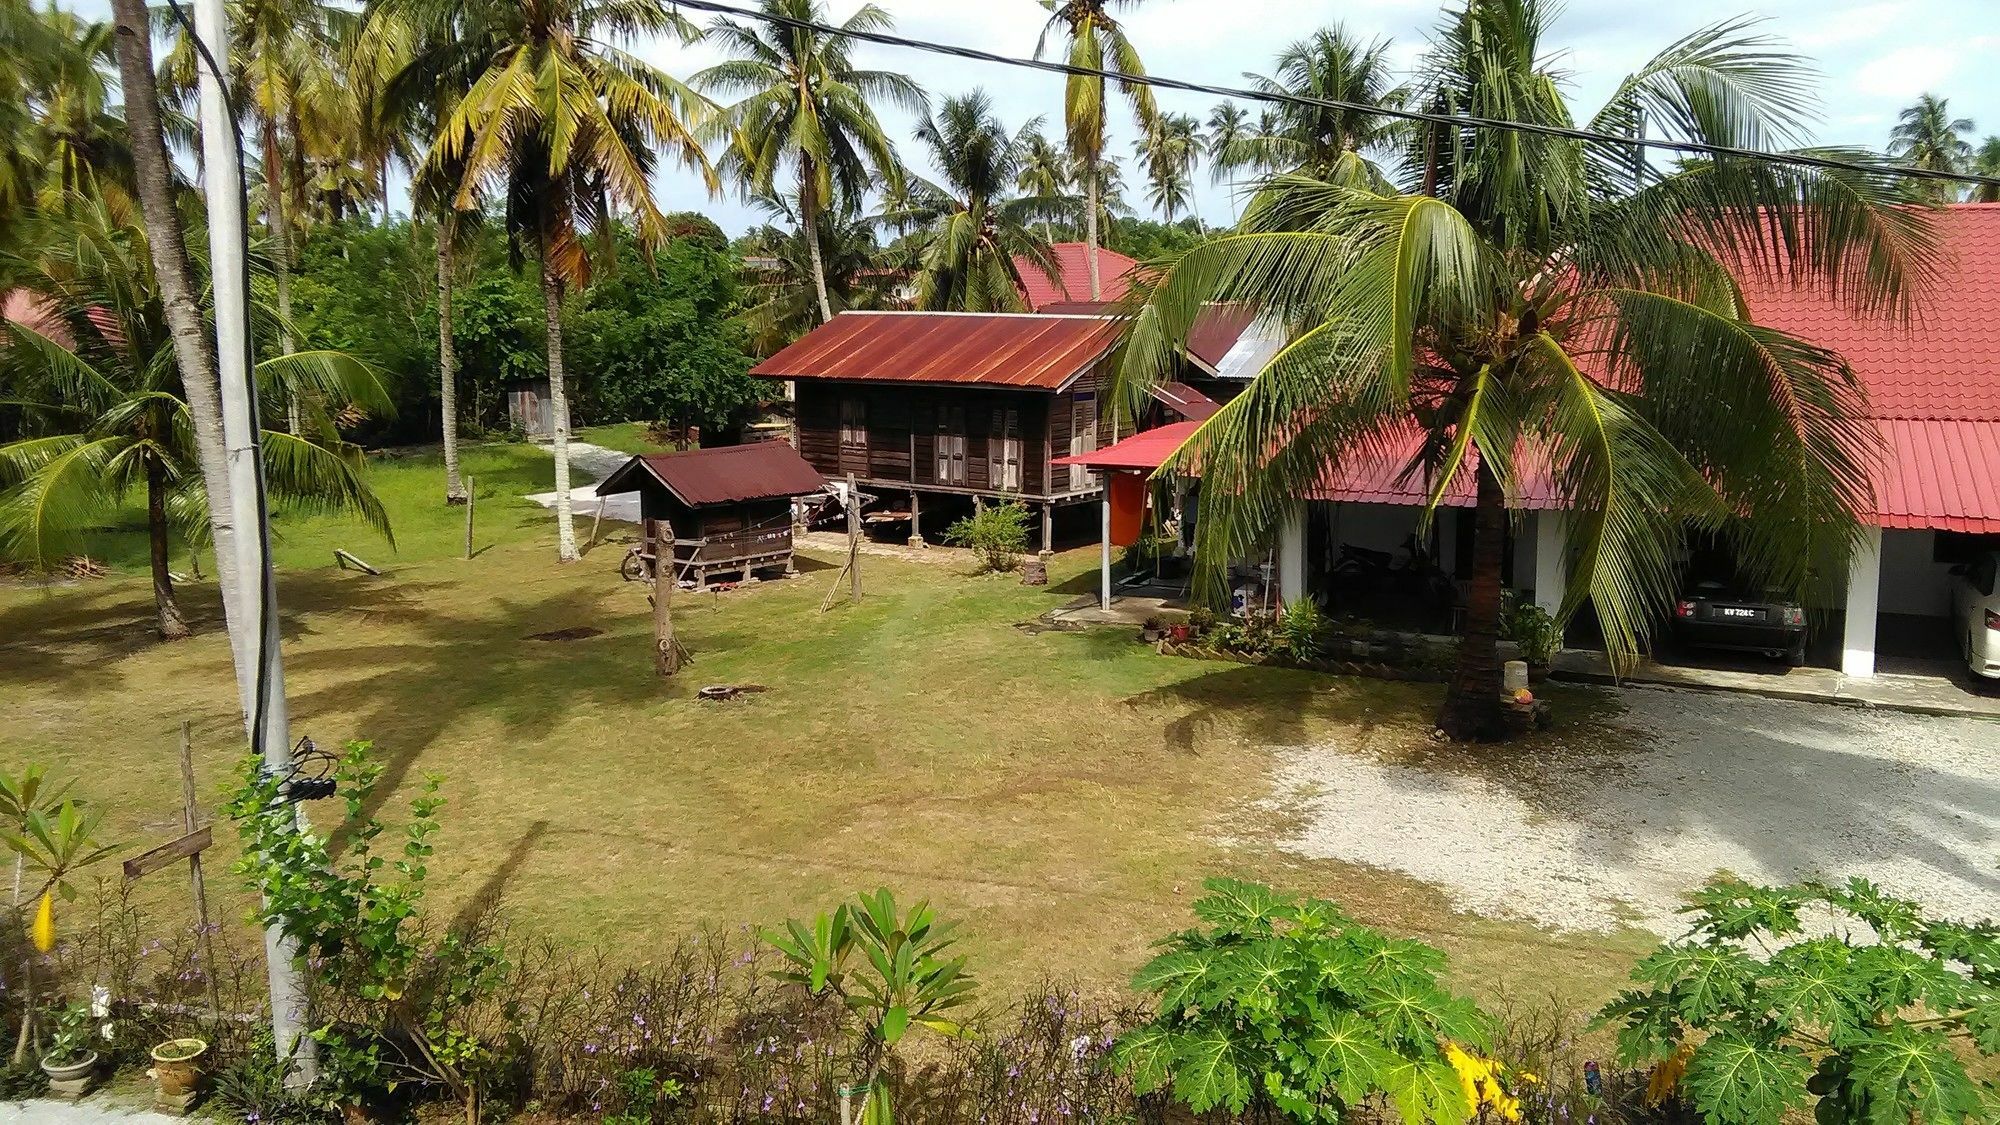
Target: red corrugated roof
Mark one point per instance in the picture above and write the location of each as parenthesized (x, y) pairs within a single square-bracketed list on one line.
[(723, 474), (1933, 382), (1147, 449), (980, 349), (1071, 283)]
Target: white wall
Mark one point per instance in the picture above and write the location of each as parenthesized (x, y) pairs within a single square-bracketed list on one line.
[(1911, 582)]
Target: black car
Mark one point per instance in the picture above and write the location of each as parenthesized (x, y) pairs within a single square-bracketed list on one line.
[(1727, 616)]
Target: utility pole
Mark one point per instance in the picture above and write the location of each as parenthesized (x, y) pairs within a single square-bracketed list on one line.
[(253, 627)]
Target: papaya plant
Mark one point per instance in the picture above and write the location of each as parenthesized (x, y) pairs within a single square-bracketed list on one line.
[(54, 844), (1286, 1004), (890, 968), (1841, 998)]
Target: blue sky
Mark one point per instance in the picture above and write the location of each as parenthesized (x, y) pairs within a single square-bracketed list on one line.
[(1874, 56)]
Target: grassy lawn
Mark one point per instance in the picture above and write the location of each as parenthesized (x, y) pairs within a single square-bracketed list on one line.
[(1063, 793)]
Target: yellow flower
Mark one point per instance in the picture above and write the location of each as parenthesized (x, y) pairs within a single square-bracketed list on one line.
[(44, 929)]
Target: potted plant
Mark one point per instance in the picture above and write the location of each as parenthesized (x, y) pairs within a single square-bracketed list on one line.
[(1152, 630), (70, 1061), (177, 1067)]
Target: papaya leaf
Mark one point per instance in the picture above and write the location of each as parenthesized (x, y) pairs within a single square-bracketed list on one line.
[(1738, 1080)]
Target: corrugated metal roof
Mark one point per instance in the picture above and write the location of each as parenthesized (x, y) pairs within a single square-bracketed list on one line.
[(1147, 449), (724, 474), (1072, 280), (979, 349), (1187, 402), (1940, 473)]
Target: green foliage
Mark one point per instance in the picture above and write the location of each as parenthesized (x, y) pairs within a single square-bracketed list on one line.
[(1147, 239), (1301, 630), (354, 924), (647, 1097), (1288, 1005), (56, 843), (891, 968), (253, 1085), (661, 341), (1841, 997), (997, 534), (72, 1035), (1534, 629)]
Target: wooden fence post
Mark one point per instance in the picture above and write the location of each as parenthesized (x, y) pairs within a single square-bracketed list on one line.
[(469, 495), (853, 539), (190, 811)]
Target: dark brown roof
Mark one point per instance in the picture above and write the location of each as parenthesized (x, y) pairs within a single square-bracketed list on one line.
[(1216, 329), (723, 474), (978, 349)]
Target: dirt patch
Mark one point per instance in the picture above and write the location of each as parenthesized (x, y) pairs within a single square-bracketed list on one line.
[(573, 633)]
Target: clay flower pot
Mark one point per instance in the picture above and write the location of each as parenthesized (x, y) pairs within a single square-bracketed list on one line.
[(177, 1066)]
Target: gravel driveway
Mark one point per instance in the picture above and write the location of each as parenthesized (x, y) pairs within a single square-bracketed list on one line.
[(1590, 837)]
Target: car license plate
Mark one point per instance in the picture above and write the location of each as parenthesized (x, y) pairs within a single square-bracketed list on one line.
[(1738, 611)]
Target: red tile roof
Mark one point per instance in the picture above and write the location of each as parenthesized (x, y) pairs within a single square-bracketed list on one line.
[(974, 349), (723, 474), (1071, 281)]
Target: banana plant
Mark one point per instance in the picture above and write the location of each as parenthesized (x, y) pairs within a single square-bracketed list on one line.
[(57, 843), (890, 968)]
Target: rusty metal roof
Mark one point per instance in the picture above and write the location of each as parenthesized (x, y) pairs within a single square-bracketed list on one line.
[(974, 349), (723, 474)]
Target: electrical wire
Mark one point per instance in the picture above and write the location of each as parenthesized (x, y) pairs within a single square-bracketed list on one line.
[(266, 601), (1451, 120)]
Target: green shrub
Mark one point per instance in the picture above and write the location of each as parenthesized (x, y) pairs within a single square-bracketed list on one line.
[(997, 534), (1301, 630), (1843, 999), (1287, 1004), (1539, 635)]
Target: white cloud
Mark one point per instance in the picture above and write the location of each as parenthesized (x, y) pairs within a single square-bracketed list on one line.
[(1907, 71)]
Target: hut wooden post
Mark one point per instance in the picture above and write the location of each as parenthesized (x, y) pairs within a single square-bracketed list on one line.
[(1048, 527), (468, 516), (853, 539), (916, 522)]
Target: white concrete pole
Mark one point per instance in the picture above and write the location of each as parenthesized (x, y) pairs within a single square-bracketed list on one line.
[(254, 628), (1864, 592), (1551, 560), (1104, 550), (1292, 556)]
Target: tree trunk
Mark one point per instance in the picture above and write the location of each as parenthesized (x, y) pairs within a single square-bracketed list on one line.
[(194, 348), (666, 650), (1472, 705), (281, 255), (173, 626), (809, 224), (558, 407), (454, 489), (1092, 191)]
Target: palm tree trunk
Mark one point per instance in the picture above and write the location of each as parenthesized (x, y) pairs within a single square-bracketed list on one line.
[(809, 224), (454, 488), (559, 407), (173, 626), (194, 348), (281, 255), (1472, 706), (1092, 189)]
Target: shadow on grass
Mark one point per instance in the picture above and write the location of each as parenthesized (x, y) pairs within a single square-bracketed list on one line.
[(1268, 705)]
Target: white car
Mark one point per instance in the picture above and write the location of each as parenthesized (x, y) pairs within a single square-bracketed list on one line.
[(1975, 612)]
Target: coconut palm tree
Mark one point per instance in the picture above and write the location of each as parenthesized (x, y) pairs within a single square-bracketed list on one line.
[(1228, 124), (1045, 170), (806, 111), (783, 293), (1096, 42), (1169, 149), (1319, 140), (1538, 320), (108, 416), (1926, 135), (1986, 162), (970, 228), (562, 124)]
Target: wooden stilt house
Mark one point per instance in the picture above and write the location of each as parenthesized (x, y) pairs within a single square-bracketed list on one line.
[(722, 510)]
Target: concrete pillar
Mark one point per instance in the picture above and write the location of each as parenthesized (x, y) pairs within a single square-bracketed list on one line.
[(1292, 555), (1551, 560), (1048, 528), (916, 526), (1864, 590), (1104, 560)]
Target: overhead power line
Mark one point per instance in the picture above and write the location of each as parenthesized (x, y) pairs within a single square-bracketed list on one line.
[(1452, 120)]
